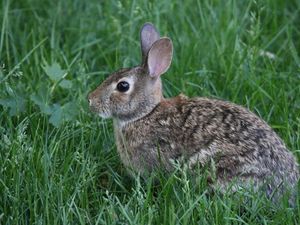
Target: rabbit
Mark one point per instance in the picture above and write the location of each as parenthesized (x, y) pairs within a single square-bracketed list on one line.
[(152, 132)]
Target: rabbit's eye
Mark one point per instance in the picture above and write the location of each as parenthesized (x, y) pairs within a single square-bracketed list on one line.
[(123, 86)]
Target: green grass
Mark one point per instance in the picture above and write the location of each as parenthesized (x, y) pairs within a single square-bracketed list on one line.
[(58, 161)]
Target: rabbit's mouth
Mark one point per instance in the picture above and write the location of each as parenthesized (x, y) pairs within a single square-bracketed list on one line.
[(104, 114)]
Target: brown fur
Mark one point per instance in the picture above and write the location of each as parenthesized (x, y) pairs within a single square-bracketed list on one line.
[(151, 131)]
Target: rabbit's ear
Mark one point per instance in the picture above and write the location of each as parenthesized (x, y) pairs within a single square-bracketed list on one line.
[(160, 57), (148, 36)]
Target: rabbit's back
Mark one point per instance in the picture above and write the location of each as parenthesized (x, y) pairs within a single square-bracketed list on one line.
[(201, 130)]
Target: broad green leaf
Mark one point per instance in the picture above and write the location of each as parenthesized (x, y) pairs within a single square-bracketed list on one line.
[(65, 84), (56, 117), (44, 107), (70, 110), (41, 99), (54, 71), (13, 99), (66, 112), (15, 104)]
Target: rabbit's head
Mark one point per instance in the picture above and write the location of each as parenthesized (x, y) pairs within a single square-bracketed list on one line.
[(129, 94)]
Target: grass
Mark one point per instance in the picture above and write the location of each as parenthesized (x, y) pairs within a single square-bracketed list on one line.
[(58, 162)]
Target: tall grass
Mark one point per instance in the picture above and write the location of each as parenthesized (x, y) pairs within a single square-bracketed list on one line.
[(58, 162)]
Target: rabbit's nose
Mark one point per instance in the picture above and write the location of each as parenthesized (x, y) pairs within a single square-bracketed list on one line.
[(90, 99)]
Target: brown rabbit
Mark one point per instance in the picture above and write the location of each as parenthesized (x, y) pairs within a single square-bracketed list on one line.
[(152, 131)]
